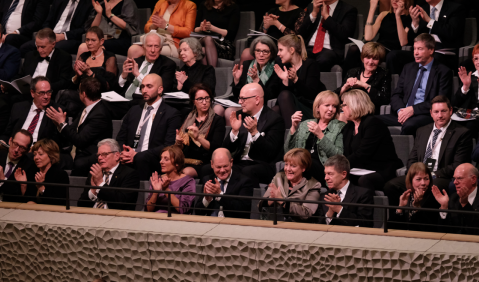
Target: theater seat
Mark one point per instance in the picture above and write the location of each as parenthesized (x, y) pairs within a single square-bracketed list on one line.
[(75, 193), (247, 22), (223, 80), (378, 214), (116, 127), (140, 202), (470, 39), (332, 80), (403, 145), (257, 192)]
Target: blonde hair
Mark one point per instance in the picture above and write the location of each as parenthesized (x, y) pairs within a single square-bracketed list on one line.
[(319, 100), (359, 103), (373, 50), (300, 156), (295, 41), (50, 148)]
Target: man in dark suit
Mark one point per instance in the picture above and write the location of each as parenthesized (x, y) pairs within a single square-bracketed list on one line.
[(465, 199), (326, 27), (14, 161), (442, 146), (228, 182), (21, 18), (68, 19), (256, 137), (418, 84), (90, 127), (342, 190), (148, 128), (109, 172), (49, 61)]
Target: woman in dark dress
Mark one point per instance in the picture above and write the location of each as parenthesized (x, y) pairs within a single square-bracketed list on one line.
[(46, 156), (218, 18), (202, 132), (300, 79), (370, 78)]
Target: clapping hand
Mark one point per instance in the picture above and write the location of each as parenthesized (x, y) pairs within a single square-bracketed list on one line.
[(315, 129), (212, 188), (193, 131), (441, 197), (282, 73), (415, 14), (96, 175), (251, 124), (295, 120), (235, 123), (465, 78), (418, 196), (333, 198), (158, 21), (237, 72), (423, 14), (179, 139), (292, 74), (108, 8), (2, 173), (181, 76), (98, 8), (40, 178), (253, 73), (404, 198), (128, 154), (324, 12)]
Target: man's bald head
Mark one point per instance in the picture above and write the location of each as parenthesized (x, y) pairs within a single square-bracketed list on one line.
[(468, 169), (222, 163), (253, 89), (251, 98), (465, 178), (151, 88), (154, 78), (221, 153)]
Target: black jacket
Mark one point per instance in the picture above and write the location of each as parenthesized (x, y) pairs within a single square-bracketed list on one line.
[(459, 222), (271, 88), (78, 21), (456, 148), (124, 177), (438, 83), (11, 191), (199, 73), (468, 100), (34, 14), (238, 185), (10, 59), (53, 195)]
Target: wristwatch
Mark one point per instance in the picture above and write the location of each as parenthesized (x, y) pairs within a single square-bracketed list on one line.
[(167, 25), (433, 175), (112, 15)]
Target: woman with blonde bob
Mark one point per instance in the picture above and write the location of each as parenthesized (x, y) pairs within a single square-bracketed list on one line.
[(321, 136), (300, 77), (367, 142), (291, 184)]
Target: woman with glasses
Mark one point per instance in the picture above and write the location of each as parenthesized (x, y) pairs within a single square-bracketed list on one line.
[(202, 132)]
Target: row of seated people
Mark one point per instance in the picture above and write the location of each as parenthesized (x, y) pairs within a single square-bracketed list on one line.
[(292, 183)]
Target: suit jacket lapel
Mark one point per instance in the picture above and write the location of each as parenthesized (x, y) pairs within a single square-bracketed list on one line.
[(52, 61), (350, 194), (262, 119), (423, 143), (114, 177), (160, 113), (412, 80), (337, 11), (233, 183), (449, 132)]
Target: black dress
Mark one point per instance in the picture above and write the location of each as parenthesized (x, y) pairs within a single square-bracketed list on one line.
[(107, 74), (388, 31), (53, 195), (288, 19), (198, 73)]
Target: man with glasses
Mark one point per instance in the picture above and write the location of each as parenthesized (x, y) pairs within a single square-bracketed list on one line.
[(15, 162), (256, 137), (109, 172), (147, 128)]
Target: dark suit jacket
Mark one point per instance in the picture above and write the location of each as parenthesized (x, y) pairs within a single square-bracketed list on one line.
[(163, 66), (96, 127), (438, 83), (355, 194), (449, 27), (199, 73), (341, 25), (238, 185), (11, 191), (53, 195), (34, 14), (456, 148), (468, 100), (163, 130), (271, 88), (10, 59), (78, 21), (124, 177), (459, 221), (59, 70), (268, 146)]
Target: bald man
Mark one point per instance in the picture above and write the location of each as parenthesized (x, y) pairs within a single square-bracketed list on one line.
[(465, 199), (225, 181), (257, 136), (147, 128)]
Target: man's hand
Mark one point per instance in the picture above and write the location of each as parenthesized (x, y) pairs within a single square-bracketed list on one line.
[(441, 198), (333, 198), (463, 194), (96, 174), (60, 37), (405, 114), (128, 154), (251, 124), (415, 14), (324, 12), (235, 123), (423, 14), (135, 70), (212, 188), (316, 8), (2, 174), (56, 116), (128, 65)]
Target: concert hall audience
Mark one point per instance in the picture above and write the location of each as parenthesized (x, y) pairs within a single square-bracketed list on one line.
[(370, 77), (300, 79), (225, 182), (218, 18), (109, 172), (367, 143), (321, 136), (172, 164), (291, 184), (202, 132), (10, 59)]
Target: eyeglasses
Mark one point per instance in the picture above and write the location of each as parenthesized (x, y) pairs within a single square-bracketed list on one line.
[(47, 93), (204, 99), (242, 99), (264, 52), (22, 149), (104, 155)]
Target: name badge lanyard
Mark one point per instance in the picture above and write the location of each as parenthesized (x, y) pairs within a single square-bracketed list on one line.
[(145, 120)]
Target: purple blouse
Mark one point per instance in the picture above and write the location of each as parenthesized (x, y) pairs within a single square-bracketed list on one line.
[(184, 184)]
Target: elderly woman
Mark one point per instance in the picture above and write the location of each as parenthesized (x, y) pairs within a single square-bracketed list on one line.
[(175, 20), (367, 142), (300, 78), (46, 156), (291, 184), (418, 194), (96, 62), (321, 135), (370, 78), (172, 164), (465, 101), (202, 132), (193, 71)]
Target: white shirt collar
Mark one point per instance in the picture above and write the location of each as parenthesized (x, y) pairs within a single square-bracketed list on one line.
[(51, 53), (12, 161), (1, 45), (258, 114), (227, 179), (345, 189), (332, 7), (476, 73), (438, 6), (155, 105), (444, 128), (114, 168), (472, 196), (88, 108), (34, 108)]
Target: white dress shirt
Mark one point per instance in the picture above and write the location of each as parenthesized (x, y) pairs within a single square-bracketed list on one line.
[(87, 111), (206, 202), (31, 114), (326, 43), (7, 167), (470, 199), (14, 22), (42, 67), (249, 140), (122, 81), (430, 24), (343, 194), (148, 124), (94, 197), (437, 146), (58, 28)]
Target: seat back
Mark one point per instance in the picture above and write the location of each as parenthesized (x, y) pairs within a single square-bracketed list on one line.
[(455, 84), (254, 204), (116, 127), (141, 201), (378, 214), (75, 193), (332, 80), (223, 80), (394, 81), (144, 15), (359, 32), (470, 32), (247, 22), (228, 129), (403, 145), (199, 189)]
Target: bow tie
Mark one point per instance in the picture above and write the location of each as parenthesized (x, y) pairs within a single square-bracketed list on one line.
[(40, 59)]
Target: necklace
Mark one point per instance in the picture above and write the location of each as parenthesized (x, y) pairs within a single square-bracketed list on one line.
[(94, 57), (365, 76)]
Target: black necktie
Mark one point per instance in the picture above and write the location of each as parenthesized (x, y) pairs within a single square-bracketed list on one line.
[(40, 59)]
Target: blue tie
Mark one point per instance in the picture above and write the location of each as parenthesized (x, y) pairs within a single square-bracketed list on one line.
[(417, 85), (9, 12), (431, 145), (143, 129), (433, 16)]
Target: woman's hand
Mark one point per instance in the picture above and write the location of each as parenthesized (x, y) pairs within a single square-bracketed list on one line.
[(179, 140), (295, 120), (441, 197), (253, 73), (40, 178), (158, 21), (165, 182), (194, 131), (315, 129), (404, 198), (274, 192), (400, 8), (108, 8), (237, 72), (98, 8), (77, 69), (20, 175), (418, 196), (159, 183), (181, 76), (350, 82), (292, 74), (282, 73), (267, 21), (465, 78), (373, 3), (203, 25)]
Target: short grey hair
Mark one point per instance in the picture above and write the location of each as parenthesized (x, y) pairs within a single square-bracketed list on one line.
[(266, 40), (152, 33), (474, 172), (195, 46), (114, 146), (427, 39), (339, 162)]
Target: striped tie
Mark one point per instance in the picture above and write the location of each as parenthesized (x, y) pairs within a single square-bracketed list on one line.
[(9, 13), (33, 124), (431, 145)]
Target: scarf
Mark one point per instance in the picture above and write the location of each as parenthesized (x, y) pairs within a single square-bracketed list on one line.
[(263, 75), (204, 127), (283, 184)]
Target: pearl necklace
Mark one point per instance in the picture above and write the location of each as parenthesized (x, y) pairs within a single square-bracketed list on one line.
[(94, 57)]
